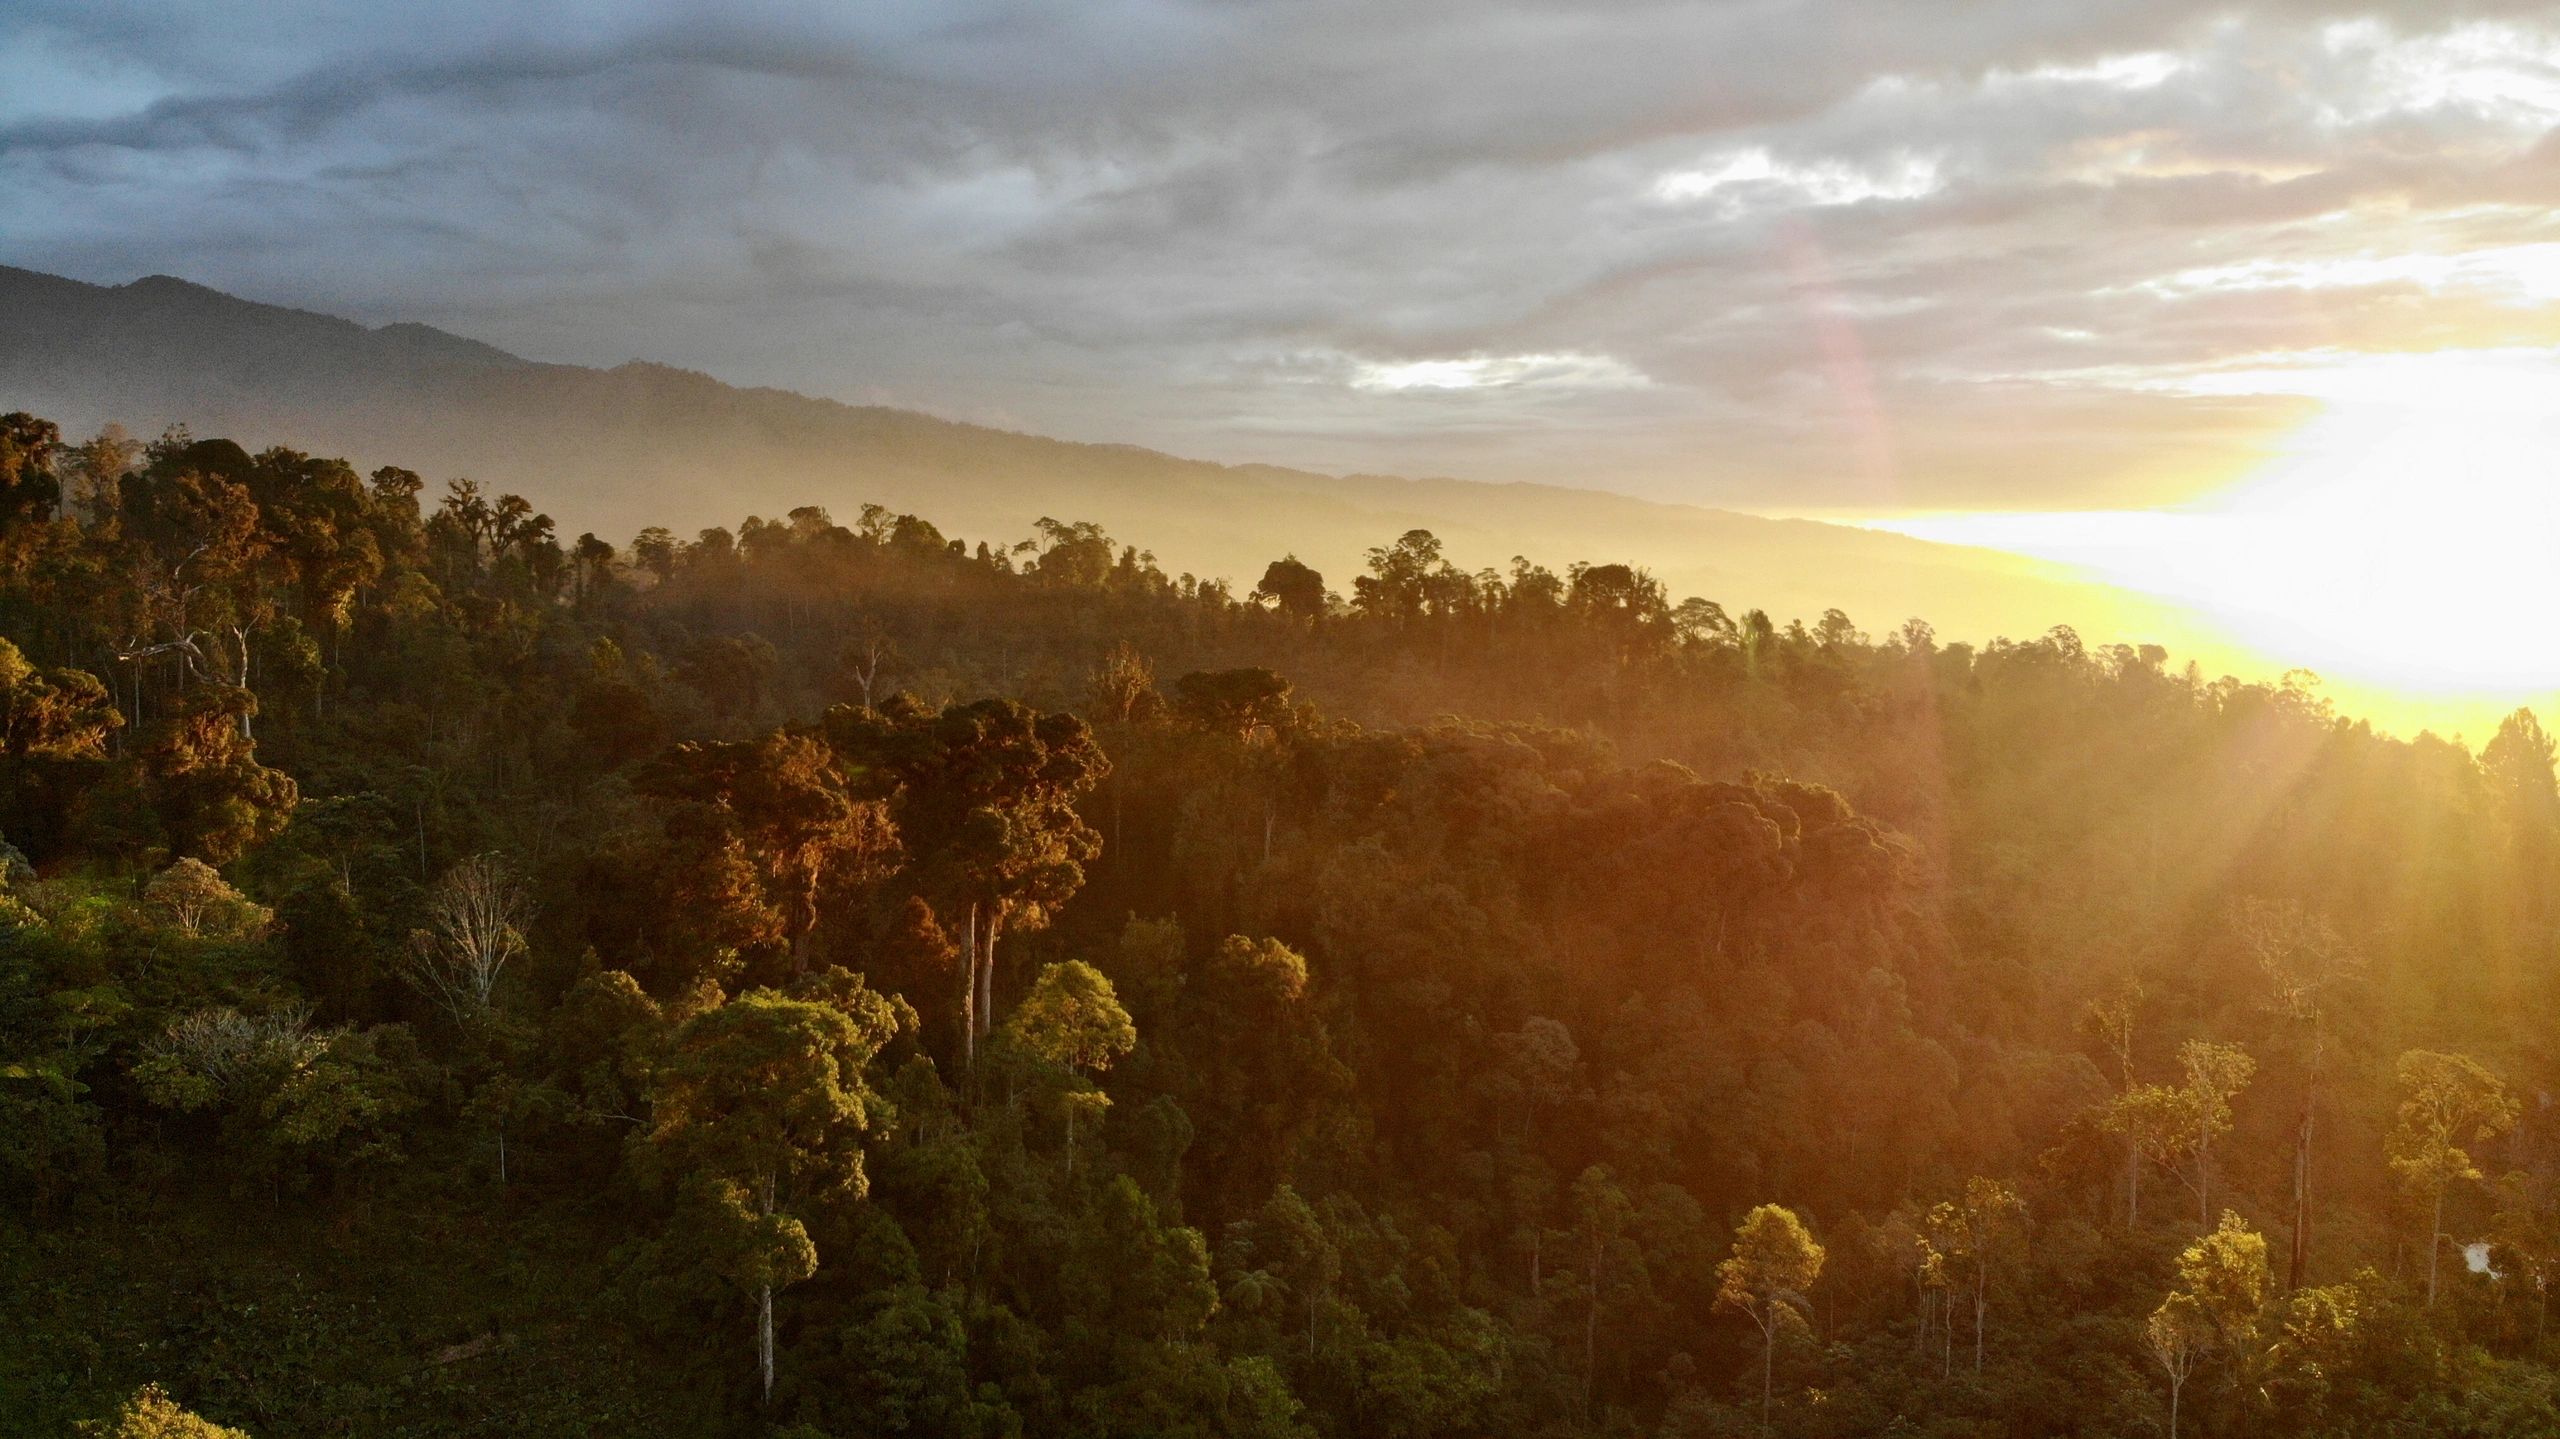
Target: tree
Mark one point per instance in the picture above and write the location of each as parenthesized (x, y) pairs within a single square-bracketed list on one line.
[(1072, 1019), (864, 655), (2524, 1232), (1292, 588), (2156, 1123), (2518, 762), (1291, 1254), (191, 897), (193, 786), (62, 713), (1625, 607), (475, 919), (2222, 1285), (761, 1103), (2178, 1338), (1401, 578), (654, 550), (2305, 965), (985, 794), (793, 818), (1612, 1272), (93, 471), (1122, 688), (2175, 1126), (1237, 702), (2215, 1075), (1969, 1232), (28, 484), (151, 1414), (2110, 1020), (1775, 1260), (2447, 1101)]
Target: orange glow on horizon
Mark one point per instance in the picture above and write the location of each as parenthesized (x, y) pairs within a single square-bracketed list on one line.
[(2404, 545)]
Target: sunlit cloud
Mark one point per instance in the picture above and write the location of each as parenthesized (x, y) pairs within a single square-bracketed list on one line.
[(2044, 231), (1753, 178), (2501, 72), (1500, 372), (2519, 273), (2146, 70)]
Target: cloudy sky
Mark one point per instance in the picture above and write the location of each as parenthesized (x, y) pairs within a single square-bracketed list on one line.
[(1795, 255)]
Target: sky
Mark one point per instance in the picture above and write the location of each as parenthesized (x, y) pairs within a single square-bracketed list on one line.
[(1797, 256)]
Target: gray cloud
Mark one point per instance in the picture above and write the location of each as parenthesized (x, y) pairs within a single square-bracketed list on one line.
[(1768, 253)]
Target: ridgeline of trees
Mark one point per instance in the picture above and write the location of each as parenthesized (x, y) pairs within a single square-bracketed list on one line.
[(834, 980)]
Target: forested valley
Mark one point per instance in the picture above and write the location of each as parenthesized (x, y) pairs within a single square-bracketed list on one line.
[(828, 978)]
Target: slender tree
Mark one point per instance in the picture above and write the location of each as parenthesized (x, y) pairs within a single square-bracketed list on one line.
[(2306, 967), (1971, 1232), (1775, 1261), (761, 1104), (2447, 1102)]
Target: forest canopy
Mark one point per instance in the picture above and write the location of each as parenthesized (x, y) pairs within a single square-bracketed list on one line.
[(832, 979)]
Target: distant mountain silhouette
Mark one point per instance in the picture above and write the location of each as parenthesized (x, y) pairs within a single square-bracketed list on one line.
[(640, 444)]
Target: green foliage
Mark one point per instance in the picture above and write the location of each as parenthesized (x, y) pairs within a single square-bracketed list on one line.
[(152, 1414), (1072, 1019), (59, 713), (1449, 963)]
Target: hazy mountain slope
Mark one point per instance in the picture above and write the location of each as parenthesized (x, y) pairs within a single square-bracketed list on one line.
[(612, 450)]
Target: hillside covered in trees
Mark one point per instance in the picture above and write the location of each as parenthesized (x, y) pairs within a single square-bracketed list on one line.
[(615, 450), (830, 978)]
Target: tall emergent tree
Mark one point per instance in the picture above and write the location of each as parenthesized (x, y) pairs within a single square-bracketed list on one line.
[(762, 1104), (1973, 1232), (2447, 1101), (985, 794), (1775, 1260), (2222, 1285), (782, 804), (475, 927), (2215, 1075), (1072, 1019), (2306, 966)]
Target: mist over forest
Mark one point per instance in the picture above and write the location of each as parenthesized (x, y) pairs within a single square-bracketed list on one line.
[(835, 975), (618, 450), (1189, 720)]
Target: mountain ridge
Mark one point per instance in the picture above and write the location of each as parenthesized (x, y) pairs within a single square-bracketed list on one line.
[(643, 442)]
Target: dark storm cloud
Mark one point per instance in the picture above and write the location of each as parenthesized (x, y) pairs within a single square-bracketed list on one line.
[(1867, 254)]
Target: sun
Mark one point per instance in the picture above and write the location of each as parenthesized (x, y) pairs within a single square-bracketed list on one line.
[(2408, 537), (2404, 544)]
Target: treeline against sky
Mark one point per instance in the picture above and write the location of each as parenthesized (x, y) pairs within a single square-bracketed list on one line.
[(838, 979)]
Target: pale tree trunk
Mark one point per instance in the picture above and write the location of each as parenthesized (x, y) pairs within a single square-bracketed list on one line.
[(764, 1336), (2175, 1385), (1981, 1306), (1768, 1358), (240, 637), (2435, 1241), (764, 1306), (987, 977), (1591, 1331), (2204, 1179), (969, 994), (2299, 1259)]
